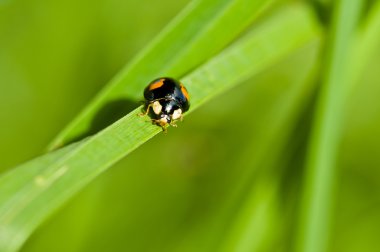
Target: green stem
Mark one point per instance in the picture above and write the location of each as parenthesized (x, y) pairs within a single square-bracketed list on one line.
[(321, 169)]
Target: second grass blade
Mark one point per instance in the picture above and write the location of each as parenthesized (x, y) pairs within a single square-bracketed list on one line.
[(321, 167)]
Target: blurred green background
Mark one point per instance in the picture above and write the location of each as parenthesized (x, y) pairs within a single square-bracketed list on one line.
[(234, 165)]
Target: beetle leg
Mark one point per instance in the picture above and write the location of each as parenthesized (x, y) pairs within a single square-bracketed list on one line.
[(159, 123), (164, 129), (146, 112)]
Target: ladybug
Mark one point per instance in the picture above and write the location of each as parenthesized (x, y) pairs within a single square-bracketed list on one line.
[(168, 99)]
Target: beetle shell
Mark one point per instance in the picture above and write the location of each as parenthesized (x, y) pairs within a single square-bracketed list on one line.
[(168, 99)]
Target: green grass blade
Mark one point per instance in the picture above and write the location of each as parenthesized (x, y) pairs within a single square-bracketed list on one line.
[(367, 41), (32, 198), (253, 216), (320, 177), (27, 171), (198, 32)]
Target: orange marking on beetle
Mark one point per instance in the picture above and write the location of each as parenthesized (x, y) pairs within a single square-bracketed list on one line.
[(184, 91), (157, 84)]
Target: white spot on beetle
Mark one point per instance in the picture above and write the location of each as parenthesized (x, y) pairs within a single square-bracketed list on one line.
[(157, 108), (177, 114)]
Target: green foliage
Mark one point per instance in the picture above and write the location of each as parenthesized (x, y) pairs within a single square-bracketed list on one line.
[(326, 133), (230, 178), (28, 198), (197, 33)]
